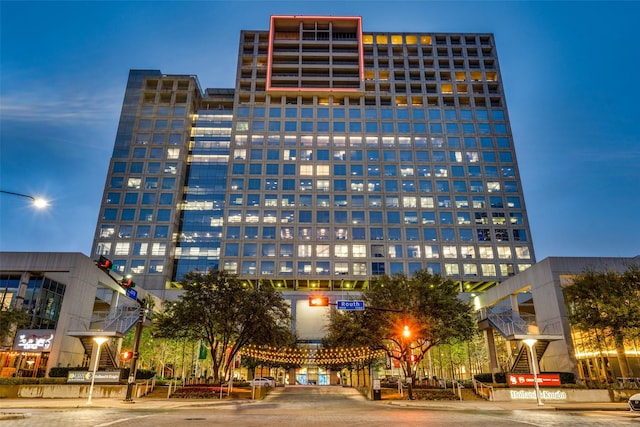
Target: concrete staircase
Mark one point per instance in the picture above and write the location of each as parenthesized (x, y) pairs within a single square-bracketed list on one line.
[(521, 360)]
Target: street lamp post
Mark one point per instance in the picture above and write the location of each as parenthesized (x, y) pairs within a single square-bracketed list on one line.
[(406, 354), (37, 202), (530, 343), (99, 341)]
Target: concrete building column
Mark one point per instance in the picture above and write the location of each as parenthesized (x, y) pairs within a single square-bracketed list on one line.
[(493, 357), (513, 298)]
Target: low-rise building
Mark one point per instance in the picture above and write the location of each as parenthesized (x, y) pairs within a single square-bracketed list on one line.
[(531, 304), (68, 300)]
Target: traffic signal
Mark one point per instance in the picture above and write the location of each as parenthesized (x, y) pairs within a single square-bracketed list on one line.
[(128, 283), (126, 355), (318, 301), (105, 263)]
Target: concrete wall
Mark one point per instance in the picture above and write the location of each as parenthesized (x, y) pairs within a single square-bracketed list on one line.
[(61, 391), (551, 395), (71, 391)]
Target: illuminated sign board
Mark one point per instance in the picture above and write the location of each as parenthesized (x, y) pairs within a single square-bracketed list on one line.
[(109, 377), (531, 395), (526, 380), (34, 340)]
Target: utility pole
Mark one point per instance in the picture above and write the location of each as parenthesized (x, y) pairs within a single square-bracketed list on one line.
[(136, 347)]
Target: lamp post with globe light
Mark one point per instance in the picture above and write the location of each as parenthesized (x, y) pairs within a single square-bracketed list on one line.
[(99, 341), (37, 201), (530, 343)]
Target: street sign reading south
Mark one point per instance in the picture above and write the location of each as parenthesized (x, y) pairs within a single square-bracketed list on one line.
[(349, 305), (132, 293)]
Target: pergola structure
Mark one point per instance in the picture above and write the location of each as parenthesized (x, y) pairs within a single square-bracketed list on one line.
[(306, 356)]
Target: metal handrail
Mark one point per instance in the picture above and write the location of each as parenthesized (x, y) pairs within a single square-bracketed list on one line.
[(457, 386), (479, 389), (508, 321), (121, 319)]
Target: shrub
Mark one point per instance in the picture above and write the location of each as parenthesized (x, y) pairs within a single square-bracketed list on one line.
[(433, 394), (23, 380), (60, 372), (501, 377), (141, 374), (198, 392)]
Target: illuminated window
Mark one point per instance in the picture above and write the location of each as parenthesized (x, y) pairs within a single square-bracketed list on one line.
[(413, 251), (134, 183), (470, 269), (523, 252), (467, 252), (452, 269), (504, 252), (322, 251), (486, 252), (359, 269), (359, 251), (450, 251), (304, 251), (342, 251), (159, 249), (431, 251), (122, 249), (341, 268)]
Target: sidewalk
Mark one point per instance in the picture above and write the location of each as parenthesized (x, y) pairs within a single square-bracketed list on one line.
[(140, 403), (474, 405), (159, 403)]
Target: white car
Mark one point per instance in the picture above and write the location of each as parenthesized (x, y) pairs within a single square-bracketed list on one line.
[(634, 403), (262, 382)]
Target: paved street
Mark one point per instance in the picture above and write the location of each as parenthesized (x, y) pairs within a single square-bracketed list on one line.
[(304, 406)]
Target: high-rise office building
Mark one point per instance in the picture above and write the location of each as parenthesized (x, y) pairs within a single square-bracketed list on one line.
[(339, 155)]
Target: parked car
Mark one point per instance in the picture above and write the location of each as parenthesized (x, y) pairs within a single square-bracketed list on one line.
[(276, 383), (634, 403), (262, 382)]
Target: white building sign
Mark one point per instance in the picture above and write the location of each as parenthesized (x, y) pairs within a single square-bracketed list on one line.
[(544, 394), (34, 340)]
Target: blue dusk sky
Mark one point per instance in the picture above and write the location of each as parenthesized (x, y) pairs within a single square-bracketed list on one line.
[(569, 70)]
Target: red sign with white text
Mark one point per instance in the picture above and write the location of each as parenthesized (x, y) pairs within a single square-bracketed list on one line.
[(526, 380)]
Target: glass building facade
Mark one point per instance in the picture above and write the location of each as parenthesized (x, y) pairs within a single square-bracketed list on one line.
[(339, 155)]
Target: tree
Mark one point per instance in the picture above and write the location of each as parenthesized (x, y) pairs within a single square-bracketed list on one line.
[(10, 318), (405, 317), (607, 301), (226, 314)]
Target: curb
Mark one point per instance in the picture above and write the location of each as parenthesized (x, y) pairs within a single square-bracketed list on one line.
[(13, 415)]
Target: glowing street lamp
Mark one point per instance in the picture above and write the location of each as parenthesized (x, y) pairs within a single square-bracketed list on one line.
[(37, 202), (99, 341), (406, 332), (530, 343)]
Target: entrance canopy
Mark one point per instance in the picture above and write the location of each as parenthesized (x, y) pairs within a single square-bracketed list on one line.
[(307, 356)]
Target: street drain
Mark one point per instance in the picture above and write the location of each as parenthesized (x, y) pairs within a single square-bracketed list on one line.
[(194, 419)]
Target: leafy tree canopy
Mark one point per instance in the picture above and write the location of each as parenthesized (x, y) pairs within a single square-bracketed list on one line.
[(226, 314), (9, 318), (605, 300), (608, 301), (428, 305)]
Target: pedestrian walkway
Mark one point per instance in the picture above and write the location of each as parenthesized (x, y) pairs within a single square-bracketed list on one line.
[(6, 405)]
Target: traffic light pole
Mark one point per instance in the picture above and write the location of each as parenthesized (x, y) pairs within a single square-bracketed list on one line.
[(136, 347)]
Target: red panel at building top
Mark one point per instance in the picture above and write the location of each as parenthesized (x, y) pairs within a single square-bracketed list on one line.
[(291, 23)]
